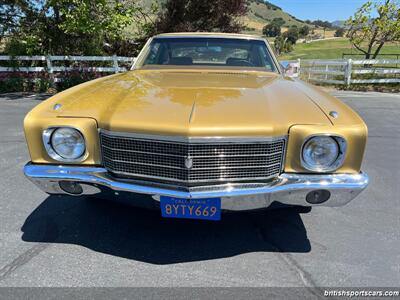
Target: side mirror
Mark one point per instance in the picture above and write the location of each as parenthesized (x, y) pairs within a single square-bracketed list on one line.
[(291, 68)]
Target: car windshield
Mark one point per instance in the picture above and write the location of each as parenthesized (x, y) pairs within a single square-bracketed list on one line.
[(210, 52)]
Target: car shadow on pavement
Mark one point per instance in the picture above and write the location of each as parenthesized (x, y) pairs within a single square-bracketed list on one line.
[(142, 235), (20, 95)]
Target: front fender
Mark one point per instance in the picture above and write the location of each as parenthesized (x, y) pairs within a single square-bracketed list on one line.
[(355, 136)]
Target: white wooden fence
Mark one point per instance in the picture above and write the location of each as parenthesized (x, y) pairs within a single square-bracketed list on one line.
[(52, 67), (347, 72), (341, 71)]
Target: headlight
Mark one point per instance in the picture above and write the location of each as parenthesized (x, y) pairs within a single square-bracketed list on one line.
[(64, 144), (323, 153)]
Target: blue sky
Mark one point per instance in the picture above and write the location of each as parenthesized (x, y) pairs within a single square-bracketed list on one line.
[(327, 10)]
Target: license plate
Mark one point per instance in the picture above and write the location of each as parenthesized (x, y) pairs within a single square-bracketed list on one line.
[(206, 209)]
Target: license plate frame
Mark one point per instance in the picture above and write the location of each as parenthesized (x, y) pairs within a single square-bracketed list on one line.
[(204, 209)]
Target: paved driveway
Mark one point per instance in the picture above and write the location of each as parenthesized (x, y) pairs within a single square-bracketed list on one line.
[(64, 241)]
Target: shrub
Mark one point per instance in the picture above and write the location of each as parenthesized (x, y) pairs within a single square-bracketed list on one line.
[(304, 31), (12, 84), (42, 82), (282, 45), (339, 32), (70, 79), (42, 85), (271, 30), (292, 35)]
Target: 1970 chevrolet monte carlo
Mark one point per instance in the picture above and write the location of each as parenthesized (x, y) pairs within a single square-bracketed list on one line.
[(203, 122)]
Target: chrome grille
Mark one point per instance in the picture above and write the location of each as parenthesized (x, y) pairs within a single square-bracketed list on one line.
[(213, 161)]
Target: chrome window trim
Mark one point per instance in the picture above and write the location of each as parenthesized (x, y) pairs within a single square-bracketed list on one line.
[(342, 144), (141, 55), (144, 51), (210, 36), (197, 140), (46, 138)]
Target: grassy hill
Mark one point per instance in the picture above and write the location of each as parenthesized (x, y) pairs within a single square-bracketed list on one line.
[(259, 14), (265, 12), (333, 49)]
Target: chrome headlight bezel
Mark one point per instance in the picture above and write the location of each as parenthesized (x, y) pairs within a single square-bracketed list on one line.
[(51, 151), (342, 147)]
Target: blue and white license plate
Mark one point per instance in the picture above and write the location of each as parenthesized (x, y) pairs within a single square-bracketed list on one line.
[(206, 209)]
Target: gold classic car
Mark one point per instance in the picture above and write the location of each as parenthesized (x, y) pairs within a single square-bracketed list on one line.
[(203, 122)]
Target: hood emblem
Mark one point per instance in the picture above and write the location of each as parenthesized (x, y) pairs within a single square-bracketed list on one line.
[(188, 162), (333, 114)]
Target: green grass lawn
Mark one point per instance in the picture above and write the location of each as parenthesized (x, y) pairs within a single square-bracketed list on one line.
[(333, 49)]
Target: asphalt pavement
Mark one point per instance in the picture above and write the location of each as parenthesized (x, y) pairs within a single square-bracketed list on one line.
[(67, 241)]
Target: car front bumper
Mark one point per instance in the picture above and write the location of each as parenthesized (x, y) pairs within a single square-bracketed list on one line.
[(291, 189)]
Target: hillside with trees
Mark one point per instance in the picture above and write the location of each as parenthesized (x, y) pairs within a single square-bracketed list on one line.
[(265, 11)]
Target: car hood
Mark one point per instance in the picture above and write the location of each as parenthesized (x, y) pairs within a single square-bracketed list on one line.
[(193, 102)]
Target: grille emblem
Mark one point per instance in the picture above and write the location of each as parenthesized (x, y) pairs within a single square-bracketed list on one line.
[(188, 162)]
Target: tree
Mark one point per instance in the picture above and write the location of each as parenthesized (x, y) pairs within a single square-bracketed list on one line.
[(81, 27), (304, 31), (10, 13), (272, 30), (282, 45), (279, 44), (278, 21), (292, 35), (373, 25), (339, 32), (200, 15), (323, 24)]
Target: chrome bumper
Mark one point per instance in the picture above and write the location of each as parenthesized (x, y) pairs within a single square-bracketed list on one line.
[(289, 189)]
